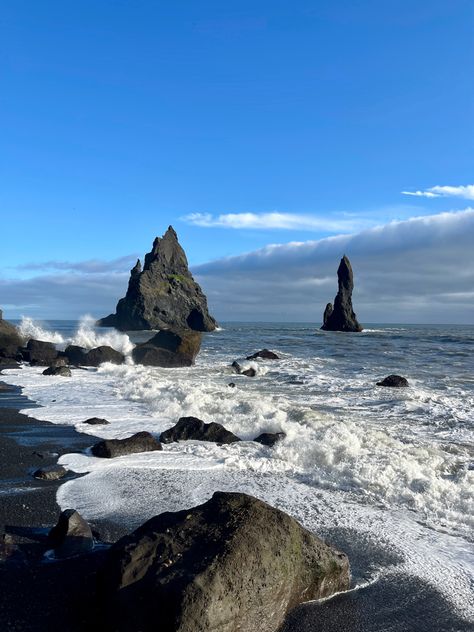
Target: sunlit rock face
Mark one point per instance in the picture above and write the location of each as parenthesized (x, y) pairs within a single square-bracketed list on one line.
[(162, 295)]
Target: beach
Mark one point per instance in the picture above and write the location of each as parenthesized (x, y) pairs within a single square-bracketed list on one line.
[(404, 569)]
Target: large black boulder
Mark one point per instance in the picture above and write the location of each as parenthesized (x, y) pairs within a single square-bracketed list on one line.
[(341, 317), (99, 355), (169, 349), (164, 294), (76, 355), (71, 536), (80, 356), (11, 341), (233, 564), (139, 442), (394, 381), (40, 353), (192, 428)]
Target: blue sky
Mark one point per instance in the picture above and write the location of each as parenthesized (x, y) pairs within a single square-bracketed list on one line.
[(241, 123)]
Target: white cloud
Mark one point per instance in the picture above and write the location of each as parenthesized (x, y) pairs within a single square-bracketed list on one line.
[(417, 270), (90, 266), (285, 221), (464, 191)]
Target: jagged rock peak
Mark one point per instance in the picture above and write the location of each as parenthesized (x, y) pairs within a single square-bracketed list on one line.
[(164, 294), (341, 316)]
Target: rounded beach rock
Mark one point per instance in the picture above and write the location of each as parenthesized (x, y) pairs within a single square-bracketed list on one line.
[(139, 442), (233, 564), (71, 536)]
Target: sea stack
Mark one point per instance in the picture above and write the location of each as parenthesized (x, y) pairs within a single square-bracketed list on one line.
[(341, 317), (164, 294)]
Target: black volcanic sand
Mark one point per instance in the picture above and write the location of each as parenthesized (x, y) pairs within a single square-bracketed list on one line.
[(40, 595), (37, 594)]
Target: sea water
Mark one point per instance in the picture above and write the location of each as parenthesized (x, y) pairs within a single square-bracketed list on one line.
[(394, 467)]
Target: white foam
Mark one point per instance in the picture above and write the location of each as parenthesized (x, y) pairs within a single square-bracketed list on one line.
[(30, 328), (86, 336)]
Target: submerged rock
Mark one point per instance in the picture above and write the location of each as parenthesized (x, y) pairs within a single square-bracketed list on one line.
[(233, 564), (270, 438), (96, 421), (341, 317), (265, 354), (169, 349), (139, 442), (164, 294), (63, 371), (394, 381), (250, 372), (192, 428), (50, 473), (71, 536)]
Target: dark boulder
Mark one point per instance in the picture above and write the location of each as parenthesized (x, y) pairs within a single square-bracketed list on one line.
[(270, 438), (394, 381), (139, 442), (63, 371), (75, 355), (233, 564), (265, 354), (164, 294), (96, 421), (71, 536), (11, 341), (50, 473), (99, 355), (192, 428), (169, 349), (40, 353), (341, 317), (250, 372)]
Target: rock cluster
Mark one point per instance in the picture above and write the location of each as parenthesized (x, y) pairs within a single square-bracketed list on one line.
[(164, 295), (232, 564), (341, 317)]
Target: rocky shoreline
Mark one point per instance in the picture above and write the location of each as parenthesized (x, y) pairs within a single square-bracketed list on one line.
[(61, 594)]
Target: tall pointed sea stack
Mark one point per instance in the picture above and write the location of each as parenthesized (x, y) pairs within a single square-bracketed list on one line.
[(164, 294), (341, 317)]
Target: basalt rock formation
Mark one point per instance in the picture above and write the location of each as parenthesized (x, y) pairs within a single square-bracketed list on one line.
[(341, 317), (164, 294), (169, 349), (233, 564), (11, 340), (192, 428)]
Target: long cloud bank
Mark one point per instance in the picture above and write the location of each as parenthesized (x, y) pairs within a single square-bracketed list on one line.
[(418, 270)]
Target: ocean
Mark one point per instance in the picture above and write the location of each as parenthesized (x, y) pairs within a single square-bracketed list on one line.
[(386, 474)]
